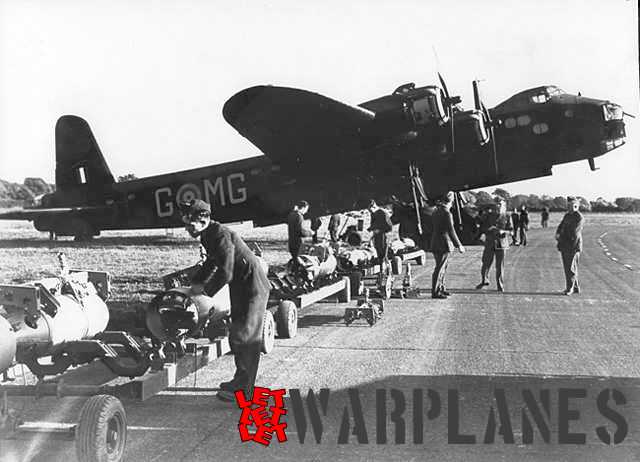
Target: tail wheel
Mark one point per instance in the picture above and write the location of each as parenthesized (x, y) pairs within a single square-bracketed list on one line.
[(287, 319), (268, 333), (101, 434)]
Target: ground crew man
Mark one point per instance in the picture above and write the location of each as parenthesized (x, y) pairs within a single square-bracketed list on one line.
[(544, 217), (230, 261), (523, 225), (443, 241), (316, 223), (334, 227), (569, 237), (405, 216), (380, 226), (515, 222), (297, 231), (496, 227)]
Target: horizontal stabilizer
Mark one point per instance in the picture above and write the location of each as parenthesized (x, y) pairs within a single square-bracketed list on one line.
[(32, 214)]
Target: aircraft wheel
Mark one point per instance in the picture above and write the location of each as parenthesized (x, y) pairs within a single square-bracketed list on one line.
[(268, 333), (101, 434), (287, 319)]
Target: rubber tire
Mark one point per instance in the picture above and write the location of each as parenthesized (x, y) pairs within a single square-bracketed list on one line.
[(268, 333), (287, 319), (93, 430)]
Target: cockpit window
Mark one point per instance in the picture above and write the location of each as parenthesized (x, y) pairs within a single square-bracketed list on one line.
[(540, 98), (543, 95)]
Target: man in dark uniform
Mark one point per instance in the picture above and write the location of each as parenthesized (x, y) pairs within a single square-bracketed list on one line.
[(380, 226), (405, 216), (569, 237), (334, 227), (496, 227), (297, 230), (544, 217), (515, 222), (523, 225), (443, 241), (230, 261), (316, 223)]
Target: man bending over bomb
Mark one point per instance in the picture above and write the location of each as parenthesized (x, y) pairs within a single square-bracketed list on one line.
[(230, 261)]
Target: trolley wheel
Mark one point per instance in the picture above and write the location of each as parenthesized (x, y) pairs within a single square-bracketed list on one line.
[(268, 333), (101, 434), (349, 317), (386, 289), (287, 319)]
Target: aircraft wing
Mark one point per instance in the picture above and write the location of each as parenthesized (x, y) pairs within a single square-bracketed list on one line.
[(32, 214), (296, 127)]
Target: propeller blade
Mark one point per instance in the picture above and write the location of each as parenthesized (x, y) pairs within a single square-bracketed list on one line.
[(629, 115), (453, 132), (476, 95), (493, 147), (444, 85)]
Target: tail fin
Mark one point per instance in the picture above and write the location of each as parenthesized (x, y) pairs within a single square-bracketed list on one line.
[(79, 161)]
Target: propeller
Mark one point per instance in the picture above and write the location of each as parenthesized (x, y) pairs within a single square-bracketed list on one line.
[(450, 101), (479, 105)]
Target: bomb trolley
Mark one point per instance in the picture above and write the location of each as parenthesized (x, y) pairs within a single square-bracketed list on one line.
[(37, 324), (368, 309), (288, 296), (100, 431)]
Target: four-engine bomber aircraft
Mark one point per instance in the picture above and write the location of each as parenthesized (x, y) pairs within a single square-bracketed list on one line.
[(334, 155)]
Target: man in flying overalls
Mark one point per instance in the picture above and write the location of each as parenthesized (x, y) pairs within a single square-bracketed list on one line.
[(496, 227)]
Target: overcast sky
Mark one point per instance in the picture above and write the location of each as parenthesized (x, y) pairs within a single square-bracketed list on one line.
[(151, 77)]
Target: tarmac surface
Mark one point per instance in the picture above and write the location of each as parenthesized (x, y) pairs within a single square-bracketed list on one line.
[(434, 379)]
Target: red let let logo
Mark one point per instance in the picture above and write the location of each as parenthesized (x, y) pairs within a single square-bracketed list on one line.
[(260, 419)]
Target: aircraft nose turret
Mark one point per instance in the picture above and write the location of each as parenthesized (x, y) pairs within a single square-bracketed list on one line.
[(238, 103), (613, 133)]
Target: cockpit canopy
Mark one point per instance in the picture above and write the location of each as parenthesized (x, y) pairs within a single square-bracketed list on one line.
[(538, 95)]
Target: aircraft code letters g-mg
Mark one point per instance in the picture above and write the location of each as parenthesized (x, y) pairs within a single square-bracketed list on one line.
[(220, 191)]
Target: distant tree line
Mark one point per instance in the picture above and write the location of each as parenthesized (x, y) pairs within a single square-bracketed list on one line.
[(534, 202)]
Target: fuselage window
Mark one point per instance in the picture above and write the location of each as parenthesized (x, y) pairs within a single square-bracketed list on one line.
[(540, 128), (524, 120), (82, 175), (510, 122), (568, 113)]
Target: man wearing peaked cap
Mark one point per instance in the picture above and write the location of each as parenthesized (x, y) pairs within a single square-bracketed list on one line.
[(230, 261), (569, 237), (194, 206), (443, 240), (496, 226)]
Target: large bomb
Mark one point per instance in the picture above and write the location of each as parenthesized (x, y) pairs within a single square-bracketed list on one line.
[(178, 312), (42, 318), (7, 344)]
